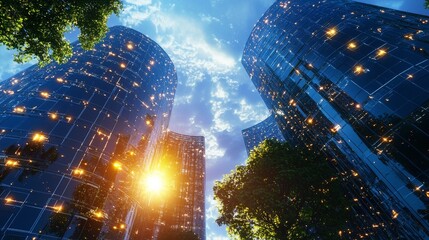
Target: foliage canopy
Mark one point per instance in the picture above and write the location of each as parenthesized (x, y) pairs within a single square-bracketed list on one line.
[(35, 28), (281, 193), (170, 233)]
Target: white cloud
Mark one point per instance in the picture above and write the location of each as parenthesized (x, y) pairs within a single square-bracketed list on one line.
[(8, 67), (208, 18), (137, 11), (138, 2), (251, 113), (213, 151)]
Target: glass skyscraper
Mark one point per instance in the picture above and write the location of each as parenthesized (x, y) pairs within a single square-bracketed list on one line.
[(266, 129), (350, 79), (184, 156), (72, 137)]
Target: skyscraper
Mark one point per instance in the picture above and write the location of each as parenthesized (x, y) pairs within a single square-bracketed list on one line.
[(183, 158), (266, 129), (351, 79), (70, 134)]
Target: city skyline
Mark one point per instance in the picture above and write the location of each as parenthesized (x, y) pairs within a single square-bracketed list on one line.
[(214, 95)]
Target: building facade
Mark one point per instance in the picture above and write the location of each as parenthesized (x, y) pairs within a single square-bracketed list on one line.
[(266, 129), (351, 79), (183, 158), (70, 135)]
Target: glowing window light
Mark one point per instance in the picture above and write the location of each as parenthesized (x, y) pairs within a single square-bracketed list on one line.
[(358, 106), (381, 53), (45, 94), (409, 36), (331, 32), (122, 65), (9, 200), (78, 171), (358, 69), (152, 62), (336, 128), (60, 80), (409, 76), (354, 173), (149, 122), (68, 118), (11, 163), (98, 214), (130, 46), (39, 137), (387, 140), (117, 165), (19, 109), (310, 121), (53, 116), (58, 208), (427, 194), (10, 92), (351, 46), (395, 214), (122, 226)]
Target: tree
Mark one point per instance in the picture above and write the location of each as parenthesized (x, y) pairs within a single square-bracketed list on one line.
[(427, 4), (167, 233), (35, 28), (281, 193)]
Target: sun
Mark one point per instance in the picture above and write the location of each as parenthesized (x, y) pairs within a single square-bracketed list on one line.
[(154, 182)]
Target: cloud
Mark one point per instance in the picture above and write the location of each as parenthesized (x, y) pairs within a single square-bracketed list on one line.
[(208, 18), (138, 11), (214, 96), (139, 2), (251, 113), (8, 67)]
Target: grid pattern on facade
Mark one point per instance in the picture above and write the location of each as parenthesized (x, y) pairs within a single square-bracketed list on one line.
[(349, 78), (67, 133), (182, 157), (266, 129)]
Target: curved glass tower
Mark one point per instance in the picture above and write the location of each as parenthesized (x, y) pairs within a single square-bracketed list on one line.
[(266, 129), (70, 135), (351, 79)]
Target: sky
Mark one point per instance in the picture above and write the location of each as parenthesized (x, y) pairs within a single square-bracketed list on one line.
[(215, 98)]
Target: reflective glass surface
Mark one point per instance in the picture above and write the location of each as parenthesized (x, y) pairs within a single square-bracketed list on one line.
[(266, 129), (350, 79), (68, 134), (181, 159)]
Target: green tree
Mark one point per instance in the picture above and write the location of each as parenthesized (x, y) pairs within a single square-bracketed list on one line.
[(35, 28), (427, 3), (281, 193), (177, 234)]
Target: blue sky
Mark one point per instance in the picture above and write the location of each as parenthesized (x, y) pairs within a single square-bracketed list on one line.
[(215, 98)]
